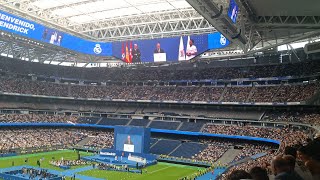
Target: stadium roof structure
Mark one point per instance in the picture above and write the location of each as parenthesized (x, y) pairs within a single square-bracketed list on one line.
[(261, 24), (114, 20)]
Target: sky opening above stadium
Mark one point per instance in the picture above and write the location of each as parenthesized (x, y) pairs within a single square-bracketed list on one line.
[(83, 11)]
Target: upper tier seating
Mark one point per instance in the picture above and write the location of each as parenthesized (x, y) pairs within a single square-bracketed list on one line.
[(88, 120), (164, 125), (280, 93), (183, 71), (164, 146), (191, 126), (139, 122), (113, 122), (188, 149)]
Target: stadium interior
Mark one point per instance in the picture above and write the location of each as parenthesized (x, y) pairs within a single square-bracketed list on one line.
[(159, 89)]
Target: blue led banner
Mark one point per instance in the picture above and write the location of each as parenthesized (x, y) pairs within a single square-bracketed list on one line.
[(152, 50), (233, 11), (29, 29)]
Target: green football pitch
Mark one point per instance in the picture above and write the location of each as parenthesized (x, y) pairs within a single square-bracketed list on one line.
[(161, 171)]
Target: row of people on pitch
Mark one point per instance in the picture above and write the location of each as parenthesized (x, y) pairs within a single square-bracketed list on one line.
[(59, 163), (33, 173)]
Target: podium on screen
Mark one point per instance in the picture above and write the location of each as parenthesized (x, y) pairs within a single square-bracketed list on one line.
[(128, 147), (160, 57)]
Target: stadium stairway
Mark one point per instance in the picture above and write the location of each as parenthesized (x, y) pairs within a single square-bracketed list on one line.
[(196, 93), (69, 91), (179, 126), (223, 93), (129, 122), (229, 156), (251, 93), (175, 149), (84, 141), (148, 124), (276, 93), (203, 126), (99, 120), (154, 144)]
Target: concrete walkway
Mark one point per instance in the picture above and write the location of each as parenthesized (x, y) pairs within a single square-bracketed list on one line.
[(210, 176)]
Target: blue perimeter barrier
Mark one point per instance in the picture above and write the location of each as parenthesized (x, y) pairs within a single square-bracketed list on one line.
[(164, 131)]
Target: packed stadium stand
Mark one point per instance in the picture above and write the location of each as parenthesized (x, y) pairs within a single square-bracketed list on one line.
[(233, 94), (281, 93), (203, 71)]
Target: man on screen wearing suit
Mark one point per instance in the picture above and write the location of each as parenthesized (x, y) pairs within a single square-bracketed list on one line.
[(158, 49), (128, 140), (136, 54)]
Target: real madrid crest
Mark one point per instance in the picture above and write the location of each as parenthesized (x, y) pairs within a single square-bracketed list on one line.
[(97, 49), (223, 40)]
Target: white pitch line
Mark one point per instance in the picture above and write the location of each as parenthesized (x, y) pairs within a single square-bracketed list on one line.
[(158, 170)]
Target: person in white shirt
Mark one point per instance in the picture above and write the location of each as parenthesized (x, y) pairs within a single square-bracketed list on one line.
[(234, 14), (191, 50), (53, 37)]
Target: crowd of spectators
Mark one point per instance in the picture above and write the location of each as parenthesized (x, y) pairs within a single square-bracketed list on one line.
[(36, 118), (212, 153), (194, 70), (263, 93), (236, 94), (37, 138), (310, 118), (295, 162), (295, 93), (281, 93), (285, 134), (248, 150), (101, 140), (306, 117), (216, 148)]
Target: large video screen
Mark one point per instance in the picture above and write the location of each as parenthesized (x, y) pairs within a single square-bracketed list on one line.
[(167, 49), (233, 11), (161, 50), (132, 139), (154, 50), (29, 29)]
